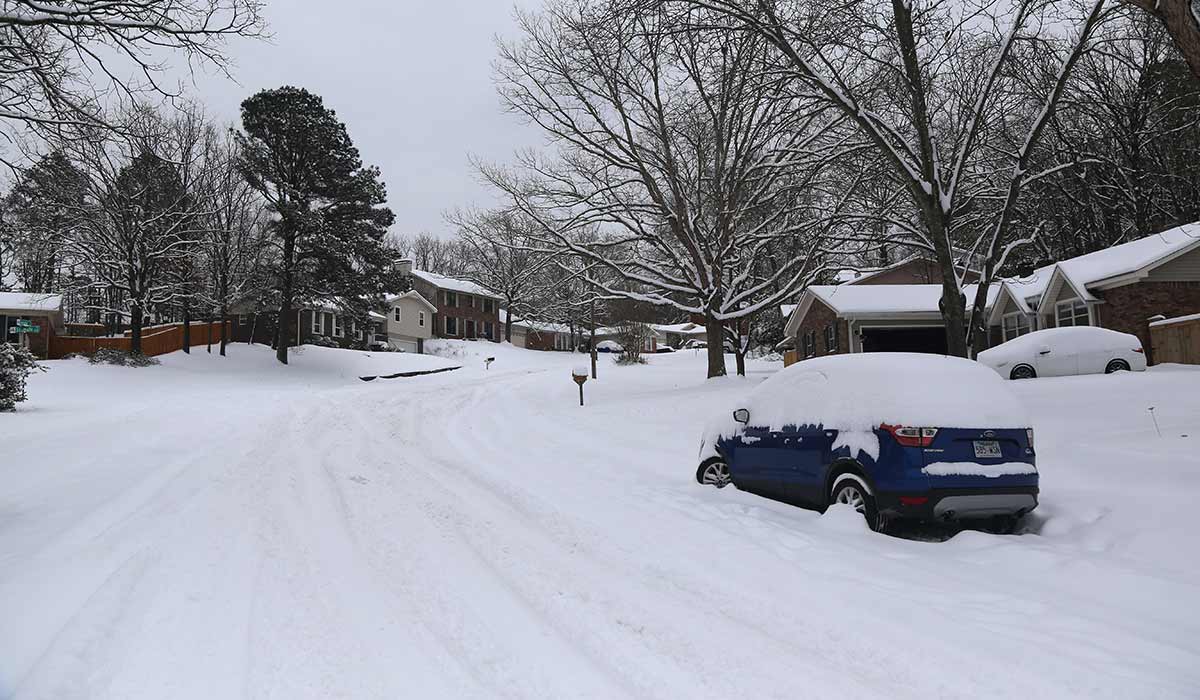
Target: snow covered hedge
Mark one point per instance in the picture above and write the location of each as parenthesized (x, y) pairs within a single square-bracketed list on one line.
[(16, 364)]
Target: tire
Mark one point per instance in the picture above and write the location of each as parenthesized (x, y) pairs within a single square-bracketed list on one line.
[(1023, 372), (852, 493), (1116, 366), (713, 472)]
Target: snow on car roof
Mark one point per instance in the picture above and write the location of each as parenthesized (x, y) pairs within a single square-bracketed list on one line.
[(30, 301), (888, 298), (454, 285), (856, 393), (1062, 339)]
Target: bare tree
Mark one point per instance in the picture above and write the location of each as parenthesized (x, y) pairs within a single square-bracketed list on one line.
[(139, 222), (236, 237), (59, 60), (678, 148), (933, 90), (1181, 19), (501, 255)]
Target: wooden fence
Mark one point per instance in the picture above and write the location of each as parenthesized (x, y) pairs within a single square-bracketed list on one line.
[(1176, 340), (157, 340)]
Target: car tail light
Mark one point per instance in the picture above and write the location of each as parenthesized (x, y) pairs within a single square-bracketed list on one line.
[(1139, 351), (1029, 436), (911, 437), (914, 500)]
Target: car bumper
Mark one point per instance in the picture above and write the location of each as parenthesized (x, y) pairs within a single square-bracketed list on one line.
[(958, 504)]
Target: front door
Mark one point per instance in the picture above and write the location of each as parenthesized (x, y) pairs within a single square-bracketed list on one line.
[(470, 328)]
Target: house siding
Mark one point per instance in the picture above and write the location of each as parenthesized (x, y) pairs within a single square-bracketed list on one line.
[(818, 318), (409, 327), (1129, 308), (1185, 268)]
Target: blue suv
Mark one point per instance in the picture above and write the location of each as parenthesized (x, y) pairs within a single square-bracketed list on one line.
[(894, 435)]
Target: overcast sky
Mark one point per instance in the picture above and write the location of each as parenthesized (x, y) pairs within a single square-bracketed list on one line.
[(410, 79)]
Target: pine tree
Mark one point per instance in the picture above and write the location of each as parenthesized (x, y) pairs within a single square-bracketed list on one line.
[(332, 221), (41, 213)]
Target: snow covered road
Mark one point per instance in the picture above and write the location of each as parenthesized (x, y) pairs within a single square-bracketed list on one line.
[(239, 530)]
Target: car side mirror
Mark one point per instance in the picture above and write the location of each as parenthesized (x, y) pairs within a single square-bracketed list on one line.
[(1044, 350), (742, 416)]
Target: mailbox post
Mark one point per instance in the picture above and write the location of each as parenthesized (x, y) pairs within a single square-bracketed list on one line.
[(580, 375)]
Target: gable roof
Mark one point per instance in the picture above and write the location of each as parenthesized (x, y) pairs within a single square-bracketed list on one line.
[(879, 300), (452, 284), (1113, 266), (414, 295), (687, 328)]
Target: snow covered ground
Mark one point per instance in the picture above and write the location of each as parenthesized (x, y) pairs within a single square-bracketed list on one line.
[(216, 528)]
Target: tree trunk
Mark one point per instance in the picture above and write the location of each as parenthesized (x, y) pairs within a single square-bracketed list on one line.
[(1181, 24), (224, 326), (741, 347), (208, 332), (135, 329), (715, 334), (285, 300), (592, 338), (187, 329)]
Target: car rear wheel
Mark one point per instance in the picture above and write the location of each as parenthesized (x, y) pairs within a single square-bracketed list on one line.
[(713, 472), (1116, 366), (851, 493), (1022, 372)]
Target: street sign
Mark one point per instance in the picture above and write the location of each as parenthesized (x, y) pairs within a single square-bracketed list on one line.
[(27, 329)]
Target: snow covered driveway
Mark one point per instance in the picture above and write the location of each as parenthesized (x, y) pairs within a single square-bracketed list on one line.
[(216, 528)]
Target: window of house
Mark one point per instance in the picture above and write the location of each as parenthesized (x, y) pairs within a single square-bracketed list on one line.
[(243, 319), (1072, 313), (396, 314), (421, 319), (810, 343), (470, 301), (318, 323), (487, 330), (451, 300), (339, 326), (451, 325), (830, 338), (1016, 324), (358, 332)]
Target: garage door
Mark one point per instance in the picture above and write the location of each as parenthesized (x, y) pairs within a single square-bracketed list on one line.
[(931, 340), (405, 345)]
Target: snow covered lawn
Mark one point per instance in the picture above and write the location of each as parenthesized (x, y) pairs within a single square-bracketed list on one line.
[(230, 528)]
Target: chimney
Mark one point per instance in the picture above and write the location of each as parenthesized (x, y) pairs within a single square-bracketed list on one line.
[(404, 266)]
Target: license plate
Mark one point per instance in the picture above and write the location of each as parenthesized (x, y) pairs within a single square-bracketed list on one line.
[(987, 448)]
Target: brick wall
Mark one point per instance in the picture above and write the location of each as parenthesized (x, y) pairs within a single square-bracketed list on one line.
[(1129, 308), (818, 318), (463, 311)]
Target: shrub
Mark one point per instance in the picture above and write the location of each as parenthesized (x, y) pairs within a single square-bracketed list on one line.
[(631, 336), (325, 341), (121, 358), (16, 364)]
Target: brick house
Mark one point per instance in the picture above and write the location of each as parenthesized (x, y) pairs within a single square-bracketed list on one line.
[(535, 335), (1122, 288), (324, 324), (36, 310), (464, 309)]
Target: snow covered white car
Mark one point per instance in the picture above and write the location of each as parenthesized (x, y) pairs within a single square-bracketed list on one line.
[(895, 435), (1058, 352)]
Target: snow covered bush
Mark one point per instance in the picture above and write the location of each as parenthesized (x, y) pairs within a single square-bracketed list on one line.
[(121, 358), (632, 339), (16, 364)]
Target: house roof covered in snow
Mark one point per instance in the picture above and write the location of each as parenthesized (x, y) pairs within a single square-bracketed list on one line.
[(879, 301), (1114, 266), (30, 302), (538, 326), (415, 295), (452, 284)]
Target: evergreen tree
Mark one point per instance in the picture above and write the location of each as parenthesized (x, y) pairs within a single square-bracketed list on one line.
[(331, 219), (41, 213)]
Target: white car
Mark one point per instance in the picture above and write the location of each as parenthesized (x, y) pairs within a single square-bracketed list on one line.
[(609, 346), (1059, 352)]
